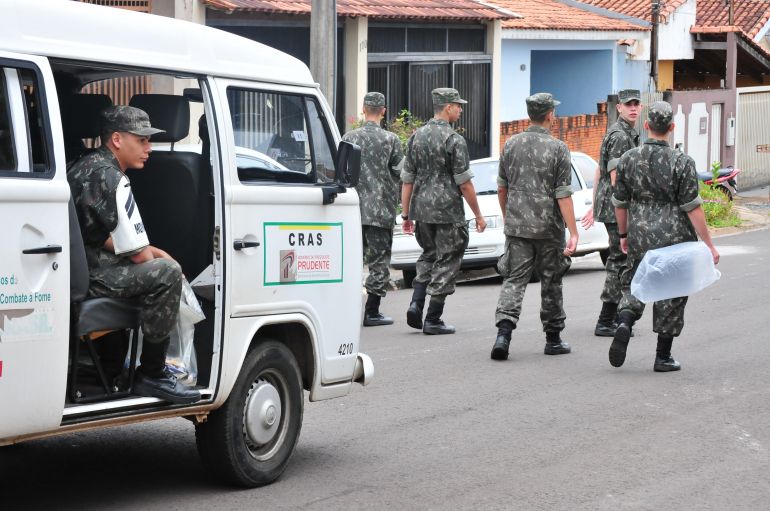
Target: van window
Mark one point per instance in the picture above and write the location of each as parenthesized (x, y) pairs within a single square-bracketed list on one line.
[(7, 150), (279, 138)]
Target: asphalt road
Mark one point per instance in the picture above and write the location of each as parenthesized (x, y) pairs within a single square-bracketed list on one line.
[(444, 427)]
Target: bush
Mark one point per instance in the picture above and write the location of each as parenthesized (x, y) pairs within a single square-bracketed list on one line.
[(719, 210), (403, 126)]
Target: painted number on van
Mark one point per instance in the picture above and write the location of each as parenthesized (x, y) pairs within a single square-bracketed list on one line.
[(345, 349)]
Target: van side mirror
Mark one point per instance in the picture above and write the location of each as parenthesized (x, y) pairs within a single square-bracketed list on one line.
[(348, 165)]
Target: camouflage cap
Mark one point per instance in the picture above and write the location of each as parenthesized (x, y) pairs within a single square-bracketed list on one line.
[(129, 119), (540, 103), (660, 115), (444, 95), (627, 95), (374, 99)]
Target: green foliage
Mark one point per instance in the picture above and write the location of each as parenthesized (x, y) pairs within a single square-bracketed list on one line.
[(403, 125), (719, 210), (715, 168)]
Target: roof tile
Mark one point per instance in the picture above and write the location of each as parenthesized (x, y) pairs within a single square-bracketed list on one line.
[(750, 15), (554, 15)]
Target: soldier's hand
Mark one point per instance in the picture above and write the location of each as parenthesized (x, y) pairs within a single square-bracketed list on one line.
[(624, 245), (408, 226), (571, 245), (481, 224), (588, 219), (714, 254)]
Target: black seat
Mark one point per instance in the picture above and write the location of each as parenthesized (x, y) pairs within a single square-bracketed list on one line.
[(92, 317), (171, 186), (80, 119)]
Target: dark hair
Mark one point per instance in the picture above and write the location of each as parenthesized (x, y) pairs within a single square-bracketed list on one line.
[(657, 132), (438, 108), (373, 110), (540, 117)]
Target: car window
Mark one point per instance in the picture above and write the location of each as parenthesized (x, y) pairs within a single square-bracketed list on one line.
[(586, 166), (485, 177), (7, 150), (279, 137), (575, 181)]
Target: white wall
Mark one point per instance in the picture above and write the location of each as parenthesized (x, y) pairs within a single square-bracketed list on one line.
[(674, 38), (697, 142)]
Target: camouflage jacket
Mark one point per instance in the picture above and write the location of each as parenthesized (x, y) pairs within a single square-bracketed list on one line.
[(658, 186), (620, 138), (93, 181), (536, 169), (437, 163), (378, 186)]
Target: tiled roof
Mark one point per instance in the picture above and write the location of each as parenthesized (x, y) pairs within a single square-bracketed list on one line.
[(750, 15), (554, 15), (375, 9), (641, 9)]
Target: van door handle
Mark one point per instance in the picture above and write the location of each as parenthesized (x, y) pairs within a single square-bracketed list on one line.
[(241, 244), (48, 249)]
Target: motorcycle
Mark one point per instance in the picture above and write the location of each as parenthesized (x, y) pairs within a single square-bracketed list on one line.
[(725, 181)]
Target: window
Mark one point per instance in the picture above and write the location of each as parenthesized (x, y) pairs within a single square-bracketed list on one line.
[(7, 151), (586, 166), (575, 181), (280, 138)]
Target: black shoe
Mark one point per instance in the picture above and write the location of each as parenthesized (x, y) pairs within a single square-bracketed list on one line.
[(605, 329), (666, 364), (500, 349), (166, 387), (560, 348), (437, 327), (414, 315), (376, 319), (619, 345)]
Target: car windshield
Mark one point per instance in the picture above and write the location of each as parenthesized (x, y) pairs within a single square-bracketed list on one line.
[(587, 167), (485, 177)]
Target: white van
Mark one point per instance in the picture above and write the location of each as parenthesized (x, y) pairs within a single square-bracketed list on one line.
[(274, 242)]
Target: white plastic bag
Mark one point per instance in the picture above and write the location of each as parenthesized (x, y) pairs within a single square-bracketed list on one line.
[(180, 358), (674, 271)]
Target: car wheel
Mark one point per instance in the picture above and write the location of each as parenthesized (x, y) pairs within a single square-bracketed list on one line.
[(409, 276), (248, 440), (604, 254)]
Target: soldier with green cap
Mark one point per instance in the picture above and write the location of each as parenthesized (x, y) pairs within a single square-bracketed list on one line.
[(621, 136), (535, 194), (381, 163), (121, 261), (436, 178), (656, 205)]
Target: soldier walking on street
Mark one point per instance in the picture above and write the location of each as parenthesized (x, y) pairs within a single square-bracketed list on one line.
[(657, 204), (535, 194), (620, 137), (435, 178), (381, 162)]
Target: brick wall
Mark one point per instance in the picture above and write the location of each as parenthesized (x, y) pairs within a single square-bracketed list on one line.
[(582, 133)]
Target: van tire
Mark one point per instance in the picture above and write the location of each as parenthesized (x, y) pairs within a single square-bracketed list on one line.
[(228, 448)]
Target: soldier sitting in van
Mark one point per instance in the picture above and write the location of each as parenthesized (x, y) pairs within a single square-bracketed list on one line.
[(121, 261)]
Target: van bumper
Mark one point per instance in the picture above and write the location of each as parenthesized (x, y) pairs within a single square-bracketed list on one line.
[(364, 370)]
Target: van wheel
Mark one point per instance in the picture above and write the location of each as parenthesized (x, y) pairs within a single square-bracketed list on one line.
[(409, 276), (604, 254), (248, 441)]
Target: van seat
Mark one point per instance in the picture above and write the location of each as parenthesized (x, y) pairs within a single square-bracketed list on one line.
[(171, 188), (80, 119)]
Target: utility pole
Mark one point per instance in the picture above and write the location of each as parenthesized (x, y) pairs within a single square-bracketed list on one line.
[(323, 45), (654, 44), (730, 13)]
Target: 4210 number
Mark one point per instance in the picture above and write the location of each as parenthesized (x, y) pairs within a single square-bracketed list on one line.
[(345, 349)]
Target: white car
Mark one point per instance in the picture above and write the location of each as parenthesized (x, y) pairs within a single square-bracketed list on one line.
[(485, 248)]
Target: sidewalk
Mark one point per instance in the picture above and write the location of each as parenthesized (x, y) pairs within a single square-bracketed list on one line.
[(753, 207)]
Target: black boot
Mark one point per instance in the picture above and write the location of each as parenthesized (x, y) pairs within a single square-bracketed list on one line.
[(414, 312), (434, 325), (606, 325), (554, 345), (503, 340), (619, 344), (664, 362), (154, 380), (372, 315)]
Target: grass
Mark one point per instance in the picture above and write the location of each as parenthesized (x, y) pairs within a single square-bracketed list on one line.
[(719, 211)]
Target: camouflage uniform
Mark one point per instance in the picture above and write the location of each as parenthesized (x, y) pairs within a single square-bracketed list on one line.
[(157, 284), (535, 168), (378, 189), (437, 163), (658, 186), (620, 137)]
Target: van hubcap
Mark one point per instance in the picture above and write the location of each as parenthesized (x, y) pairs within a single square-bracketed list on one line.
[(262, 414)]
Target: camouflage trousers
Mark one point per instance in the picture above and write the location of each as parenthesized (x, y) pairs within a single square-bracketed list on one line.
[(443, 247), (522, 257), (616, 261), (377, 245), (156, 285), (667, 315)]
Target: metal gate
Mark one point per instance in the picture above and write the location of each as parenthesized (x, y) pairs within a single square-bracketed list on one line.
[(753, 136)]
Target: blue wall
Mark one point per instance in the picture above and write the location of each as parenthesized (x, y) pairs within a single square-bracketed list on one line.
[(579, 79)]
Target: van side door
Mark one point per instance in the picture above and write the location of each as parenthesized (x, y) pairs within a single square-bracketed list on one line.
[(34, 252), (291, 251)]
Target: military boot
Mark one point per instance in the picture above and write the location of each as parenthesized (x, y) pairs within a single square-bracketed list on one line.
[(434, 325), (619, 344), (664, 362), (372, 315), (554, 345), (154, 380), (503, 340), (414, 312), (606, 325)]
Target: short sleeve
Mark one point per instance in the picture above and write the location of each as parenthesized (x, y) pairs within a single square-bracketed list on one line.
[(457, 150), (409, 172), (688, 197), (563, 184), (396, 161), (617, 146), (621, 194)]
